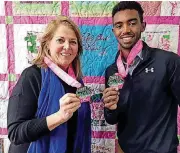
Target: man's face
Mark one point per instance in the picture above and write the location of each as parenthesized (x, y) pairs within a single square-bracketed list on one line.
[(127, 28)]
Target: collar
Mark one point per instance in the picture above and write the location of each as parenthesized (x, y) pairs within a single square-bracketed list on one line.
[(140, 55), (144, 54)]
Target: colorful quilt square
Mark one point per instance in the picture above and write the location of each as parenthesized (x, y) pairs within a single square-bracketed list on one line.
[(3, 113), (99, 49), (151, 8), (2, 10), (3, 50), (4, 94), (25, 44), (103, 146), (170, 8), (36, 8), (91, 8), (162, 36)]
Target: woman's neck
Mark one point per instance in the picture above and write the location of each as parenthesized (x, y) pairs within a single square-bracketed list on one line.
[(64, 68)]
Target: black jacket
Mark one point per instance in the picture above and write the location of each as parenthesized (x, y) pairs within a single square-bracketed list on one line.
[(148, 103), (23, 126)]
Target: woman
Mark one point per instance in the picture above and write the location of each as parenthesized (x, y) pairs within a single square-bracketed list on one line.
[(44, 113)]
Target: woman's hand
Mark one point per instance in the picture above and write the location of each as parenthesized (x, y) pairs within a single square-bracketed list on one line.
[(69, 103)]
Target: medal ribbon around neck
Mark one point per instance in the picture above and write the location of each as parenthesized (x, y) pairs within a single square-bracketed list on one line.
[(69, 77), (117, 79), (83, 92), (132, 55)]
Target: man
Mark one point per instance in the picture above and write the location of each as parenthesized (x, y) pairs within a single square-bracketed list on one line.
[(145, 104)]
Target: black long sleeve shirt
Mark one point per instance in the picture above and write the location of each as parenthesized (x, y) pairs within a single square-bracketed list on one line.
[(148, 103), (23, 126)]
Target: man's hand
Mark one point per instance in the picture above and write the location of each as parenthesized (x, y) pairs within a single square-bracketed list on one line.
[(110, 98)]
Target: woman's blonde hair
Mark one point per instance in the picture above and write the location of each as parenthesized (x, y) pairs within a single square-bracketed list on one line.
[(47, 37)]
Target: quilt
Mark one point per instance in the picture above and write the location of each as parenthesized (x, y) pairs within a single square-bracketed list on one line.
[(22, 22)]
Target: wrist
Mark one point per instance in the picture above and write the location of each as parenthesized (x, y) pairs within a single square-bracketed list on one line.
[(58, 118), (54, 120), (113, 107)]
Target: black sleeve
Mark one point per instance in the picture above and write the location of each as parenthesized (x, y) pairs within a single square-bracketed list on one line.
[(174, 75), (23, 127), (117, 115)]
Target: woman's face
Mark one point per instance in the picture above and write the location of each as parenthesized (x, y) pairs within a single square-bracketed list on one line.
[(63, 46)]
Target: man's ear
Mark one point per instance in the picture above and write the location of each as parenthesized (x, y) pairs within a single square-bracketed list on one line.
[(113, 30), (143, 26)]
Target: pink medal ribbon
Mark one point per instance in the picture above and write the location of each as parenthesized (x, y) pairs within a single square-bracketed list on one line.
[(118, 78), (132, 55), (70, 78)]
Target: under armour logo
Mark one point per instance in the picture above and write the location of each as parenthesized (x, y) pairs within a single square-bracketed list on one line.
[(149, 70)]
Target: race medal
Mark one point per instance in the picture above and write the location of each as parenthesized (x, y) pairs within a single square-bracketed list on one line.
[(116, 81), (84, 93)]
